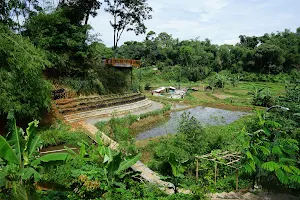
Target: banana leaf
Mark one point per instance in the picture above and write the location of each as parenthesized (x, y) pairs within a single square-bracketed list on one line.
[(7, 153), (124, 165), (51, 158)]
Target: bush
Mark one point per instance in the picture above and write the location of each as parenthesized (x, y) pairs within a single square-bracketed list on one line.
[(185, 144), (219, 80), (147, 86), (235, 79), (261, 97), (60, 133), (99, 172), (295, 75), (254, 77)]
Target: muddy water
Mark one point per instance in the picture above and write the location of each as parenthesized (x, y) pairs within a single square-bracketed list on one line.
[(206, 115)]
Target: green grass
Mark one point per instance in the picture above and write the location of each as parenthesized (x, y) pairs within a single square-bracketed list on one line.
[(237, 96), (228, 132), (61, 133)]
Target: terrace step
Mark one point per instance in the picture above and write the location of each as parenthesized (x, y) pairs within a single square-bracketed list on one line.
[(106, 112), (61, 102), (99, 104), (75, 105)]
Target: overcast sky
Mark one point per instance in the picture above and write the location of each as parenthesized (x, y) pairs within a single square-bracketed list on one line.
[(221, 21)]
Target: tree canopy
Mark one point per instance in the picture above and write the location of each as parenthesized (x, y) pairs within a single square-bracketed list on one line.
[(128, 15), (23, 87), (267, 54)]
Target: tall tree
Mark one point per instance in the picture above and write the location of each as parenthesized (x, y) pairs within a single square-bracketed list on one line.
[(82, 9), (63, 39), (128, 15), (13, 12)]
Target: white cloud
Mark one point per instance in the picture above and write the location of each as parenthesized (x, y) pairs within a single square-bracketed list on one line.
[(222, 21)]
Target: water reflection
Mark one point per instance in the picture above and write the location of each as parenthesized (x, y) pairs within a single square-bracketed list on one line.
[(206, 115)]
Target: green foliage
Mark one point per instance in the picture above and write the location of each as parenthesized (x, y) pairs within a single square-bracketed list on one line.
[(80, 11), (270, 61), (156, 112), (177, 168), (135, 190), (120, 133), (11, 12), (190, 133), (59, 134), (171, 154), (96, 171), (228, 183), (23, 87), (268, 153), (128, 15), (20, 167), (261, 97), (118, 128), (235, 79), (63, 40), (219, 80)]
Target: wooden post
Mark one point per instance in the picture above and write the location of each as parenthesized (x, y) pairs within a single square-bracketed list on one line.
[(197, 169), (237, 180), (216, 168)]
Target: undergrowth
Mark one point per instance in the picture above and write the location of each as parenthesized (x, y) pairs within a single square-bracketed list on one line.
[(60, 133)]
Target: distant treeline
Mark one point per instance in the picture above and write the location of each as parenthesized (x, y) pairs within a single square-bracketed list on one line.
[(269, 54)]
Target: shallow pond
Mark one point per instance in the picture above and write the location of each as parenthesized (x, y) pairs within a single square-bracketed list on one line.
[(206, 115)]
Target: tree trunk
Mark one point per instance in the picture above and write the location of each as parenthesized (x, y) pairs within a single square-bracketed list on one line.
[(115, 39), (87, 17)]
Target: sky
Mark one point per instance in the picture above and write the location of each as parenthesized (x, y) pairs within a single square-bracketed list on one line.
[(221, 21)]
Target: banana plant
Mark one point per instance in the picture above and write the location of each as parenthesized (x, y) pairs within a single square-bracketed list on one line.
[(20, 161), (111, 171), (178, 169)]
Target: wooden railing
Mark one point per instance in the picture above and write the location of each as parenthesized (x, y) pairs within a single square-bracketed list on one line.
[(120, 62)]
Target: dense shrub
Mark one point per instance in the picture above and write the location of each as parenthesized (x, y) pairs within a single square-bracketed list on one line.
[(219, 80), (185, 144), (269, 153), (63, 39), (254, 77), (261, 97)]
